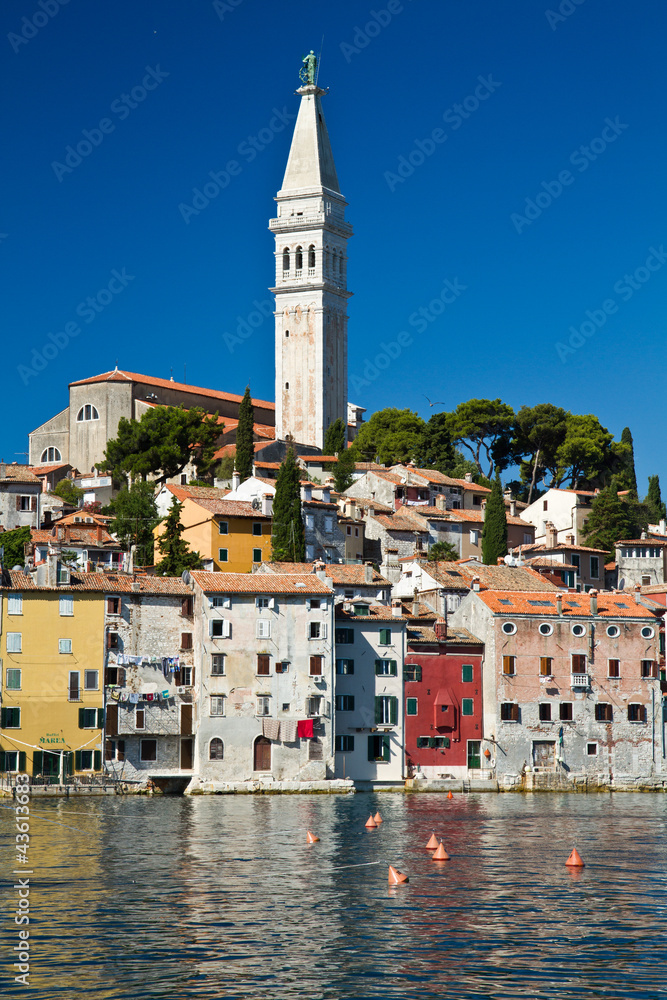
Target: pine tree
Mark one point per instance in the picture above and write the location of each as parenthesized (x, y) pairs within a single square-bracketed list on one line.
[(288, 539), (610, 520), (245, 451), (628, 475), (335, 439), (175, 551), (343, 470), (494, 532), (656, 508)]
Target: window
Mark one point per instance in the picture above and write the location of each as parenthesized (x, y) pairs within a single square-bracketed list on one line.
[(314, 604), (412, 672), (311, 257), (87, 412), (578, 630), (220, 602), (509, 628), (64, 645), (11, 718), (648, 668), (263, 628), (636, 713), (91, 680), (298, 259), (223, 555), (316, 666), (411, 706), (263, 664), (344, 744), (592, 749), (15, 604), (220, 628), (386, 710), (73, 687), (385, 637), (51, 455), (215, 749), (328, 525), (509, 712), (13, 679), (578, 664), (646, 580), (317, 630), (85, 761), (257, 555), (344, 666), (113, 605), (647, 632), (361, 610), (310, 520), (217, 704), (148, 750), (112, 640), (604, 712), (545, 711), (466, 673), (66, 605), (546, 628), (223, 527), (187, 607), (26, 503), (386, 668), (13, 642), (344, 702), (257, 527), (545, 505), (565, 711), (613, 668), (139, 718), (546, 666), (286, 260), (467, 706), (264, 705), (184, 676), (613, 631), (186, 640), (474, 537), (379, 747), (574, 559), (217, 664), (345, 636), (91, 718), (509, 665), (595, 567)]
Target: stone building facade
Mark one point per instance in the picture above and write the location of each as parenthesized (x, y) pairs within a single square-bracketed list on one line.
[(20, 497)]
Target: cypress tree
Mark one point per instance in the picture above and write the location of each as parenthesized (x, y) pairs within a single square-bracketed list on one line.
[(610, 520), (175, 551), (343, 470), (288, 538), (656, 508), (630, 477), (335, 439), (244, 437), (494, 532)]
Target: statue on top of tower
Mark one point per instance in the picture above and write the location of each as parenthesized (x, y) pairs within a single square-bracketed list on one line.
[(307, 71)]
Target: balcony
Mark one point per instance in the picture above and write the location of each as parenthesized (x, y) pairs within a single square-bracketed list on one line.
[(580, 681)]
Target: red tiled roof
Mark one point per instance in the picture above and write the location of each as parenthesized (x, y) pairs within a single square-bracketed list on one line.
[(259, 583), (561, 547), (642, 541), (13, 473), (419, 634), (316, 459), (397, 523), (384, 612), (231, 508), (165, 383), (107, 583), (575, 605), (267, 465), (44, 470), (196, 492), (478, 516), (354, 573)]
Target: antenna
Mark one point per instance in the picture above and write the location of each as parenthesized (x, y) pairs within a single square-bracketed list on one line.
[(319, 60)]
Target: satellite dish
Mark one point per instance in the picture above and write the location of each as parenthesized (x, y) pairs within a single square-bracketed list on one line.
[(185, 576), (256, 503)]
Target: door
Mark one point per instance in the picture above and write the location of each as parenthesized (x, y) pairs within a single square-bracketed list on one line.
[(51, 764), (544, 753), (474, 755), (262, 754), (112, 720), (186, 721), (186, 755)]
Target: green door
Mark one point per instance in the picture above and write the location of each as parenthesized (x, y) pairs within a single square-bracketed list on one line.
[(474, 755)]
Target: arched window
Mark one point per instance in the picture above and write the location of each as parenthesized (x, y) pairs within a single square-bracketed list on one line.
[(51, 455), (286, 260), (215, 749), (87, 412), (311, 257), (298, 258)]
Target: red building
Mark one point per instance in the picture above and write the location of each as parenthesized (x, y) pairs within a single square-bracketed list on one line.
[(443, 701)]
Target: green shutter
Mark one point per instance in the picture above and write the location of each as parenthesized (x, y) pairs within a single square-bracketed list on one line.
[(466, 673), (446, 742), (371, 748), (431, 742), (386, 753), (100, 718), (411, 706), (97, 761), (69, 763), (467, 706), (378, 710), (378, 667), (2, 760), (393, 668), (77, 760), (82, 723), (21, 761), (393, 711), (3, 718), (385, 636), (37, 762)]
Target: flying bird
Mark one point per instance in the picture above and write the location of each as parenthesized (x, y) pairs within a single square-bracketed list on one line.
[(437, 402)]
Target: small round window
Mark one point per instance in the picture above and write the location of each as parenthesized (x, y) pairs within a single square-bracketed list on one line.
[(509, 628), (578, 630), (647, 632), (613, 631), (546, 629)]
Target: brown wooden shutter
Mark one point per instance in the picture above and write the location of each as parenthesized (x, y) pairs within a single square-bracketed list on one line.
[(18, 502), (263, 663), (33, 503), (186, 640), (112, 721), (315, 666), (186, 720)]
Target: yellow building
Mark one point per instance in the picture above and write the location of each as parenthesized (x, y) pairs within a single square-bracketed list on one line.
[(52, 648), (231, 535)]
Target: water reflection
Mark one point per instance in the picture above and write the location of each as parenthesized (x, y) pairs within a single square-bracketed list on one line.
[(222, 897)]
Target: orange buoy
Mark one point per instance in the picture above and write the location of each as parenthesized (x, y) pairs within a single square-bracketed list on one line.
[(311, 838), (370, 823), (441, 854), (432, 843), (396, 877), (378, 819), (574, 860), (449, 794)]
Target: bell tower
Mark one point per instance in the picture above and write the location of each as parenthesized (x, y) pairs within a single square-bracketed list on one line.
[(311, 279)]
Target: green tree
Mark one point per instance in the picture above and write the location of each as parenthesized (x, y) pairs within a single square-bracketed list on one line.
[(335, 439), (225, 467), (435, 449), (610, 520), (176, 554), (483, 426), (288, 538), (389, 437), (585, 455), (442, 552), (245, 439), (135, 516), (656, 508), (68, 492), (14, 543), (624, 453), (163, 441), (343, 469), (538, 432), (494, 532)]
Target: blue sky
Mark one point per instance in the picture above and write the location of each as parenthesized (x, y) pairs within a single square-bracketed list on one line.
[(535, 198)]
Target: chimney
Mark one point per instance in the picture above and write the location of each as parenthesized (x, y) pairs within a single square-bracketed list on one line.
[(326, 494), (475, 583), (500, 561), (396, 610), (441, 501), (440, 629), (569, 539), (559, 605), (662, 526), (136, 586), (512, 508), (370, 510), (468, 477), (368, 572), (638, 594), (236, 479), (415, 603), (267, 504), (551, 535), (307, 492), (52, 560), (593, 595), (483, 510)]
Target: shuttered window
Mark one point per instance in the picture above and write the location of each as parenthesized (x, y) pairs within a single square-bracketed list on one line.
[(263, 663), (466, 673)]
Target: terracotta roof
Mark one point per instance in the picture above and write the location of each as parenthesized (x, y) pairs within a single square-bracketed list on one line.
[(354, 573), (289, 568), (396, 523), (319, 503), (102, 519), (12, 473), (44, 470), (642, 541), (561, 547), (363, 503), (165, 383), (267, 465), (317, 458), (106, 583), (478, 517), (384, 612), (514, 578), (231, 508), (575, 605), (547, 563), (259, 583), (420, 634), (196, 492), (425, 511)]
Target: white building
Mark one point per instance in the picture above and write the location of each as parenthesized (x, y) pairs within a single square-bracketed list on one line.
[(566, 510)]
